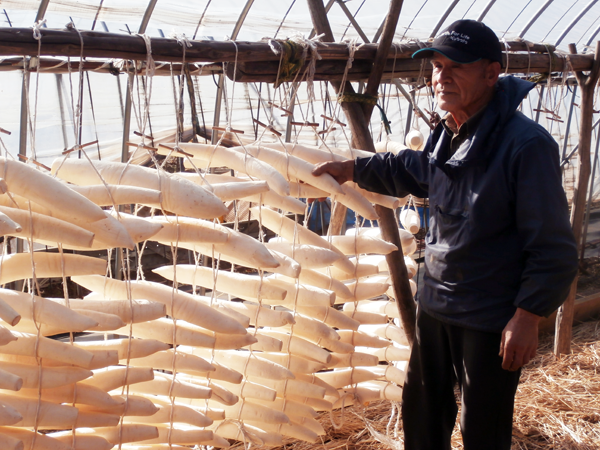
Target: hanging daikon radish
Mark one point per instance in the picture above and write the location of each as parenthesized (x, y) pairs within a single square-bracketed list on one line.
[(335, 346), (100, 358), (294, 410), (413, 288), (26, 344), (9, 415), (389, 331), (185, 306), (223, 306), (262, 316), (106, 322), (250, 391), (315, 403), (179, 196), (239, 189), (366, 393), (311, 328), (312, 424), (167, 359), (165, 385), (318, 279), (130, 405), (44, 414), (309, 153), (350, 153), (354, 245), (367, 318), (380, 199), (219, 156), (162, 329), (330, 316), (303, 190), (308, 256), (27, 439), (291, 430), (17, 266), (247, 433), (266, 343), (296, 364), (74, 393), (391, 353), (219, 393), (134, 348), (274, 200), (89, 420), (51, 377), (360, 270), (139, 229), (6, 336), (301, 294), (8, 314), (181, 414), (111, 378), (79, 442), (10, 381), (134, 311), (250, 364), (410, 220), (114, 195), (362, 339), (312, 379), (362, 290), (356, 201), (300, 347), (187, 229), (174, 435), (11, 443), (47, 228), (288, 229), (355, 359), (225, 374), (287, 266), (390, 373), (248, 410), (244, 286), (390, 309), (47, 191), (346, 377), (123, 433)]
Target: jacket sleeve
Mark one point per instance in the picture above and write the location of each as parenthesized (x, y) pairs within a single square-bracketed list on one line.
[(549, 249), (395, 175)]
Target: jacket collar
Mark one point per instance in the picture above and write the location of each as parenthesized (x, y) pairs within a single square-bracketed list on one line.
[(479, 146)]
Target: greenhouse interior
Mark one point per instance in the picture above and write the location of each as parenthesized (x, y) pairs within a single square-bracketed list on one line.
[(187, 280)]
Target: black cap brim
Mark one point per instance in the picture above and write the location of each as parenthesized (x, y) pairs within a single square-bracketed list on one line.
[(449, 52)]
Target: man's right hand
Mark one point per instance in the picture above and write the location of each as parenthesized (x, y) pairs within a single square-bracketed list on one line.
[(341, 171)]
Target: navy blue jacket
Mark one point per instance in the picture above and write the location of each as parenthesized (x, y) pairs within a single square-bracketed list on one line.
[(499, 235)]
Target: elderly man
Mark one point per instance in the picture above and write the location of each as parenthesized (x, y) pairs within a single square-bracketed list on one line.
[(499, 253)]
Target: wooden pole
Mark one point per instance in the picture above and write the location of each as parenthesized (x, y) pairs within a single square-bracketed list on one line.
[(587, 83), (361, 138)]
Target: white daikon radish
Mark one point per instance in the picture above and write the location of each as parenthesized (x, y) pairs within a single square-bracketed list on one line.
[(355, 359), (291, 430), (389, 146), (312, 379), (290, 408), (179, 196), (135, 406), (17, 266), (239, 189), (389, 331), (249, 410), (302, 294), (47, 228), (181, 414), (413, 288), (45, 414), (175, 435), (274, 200), (318, 279), (106, 322), (410, 220), (346, 377), (311, 154), (134, 348), (296, 364), (60, 351), (139, 229), (288, 229), (380, 199), (309, 256), (9, 415), (389, 373), (187, 229), (367, 318), (11, 443), (8, 314), (388, 308), (266, 343), (356, 201), (303, 190), (312, 329), (51, 376), (250, 364), (390, 353), (248, 433), (225, 374), (300, 347), (330, 316), (414, 140), (309, 423), (219, 393), (262, 316), (162, 329), (115, 377), (287, 266), (111, 195), (218, 156), (81, 442), (165, 385), (354, 245), (244, 286), (360, 270), (335, 346), (6, 336), (75, 393), (87, 419), (47, 191), (167, 359), (185, 306), (10, 381), (363, 339), (362, 290), (123, 433), (134, 311), (27, 439), (250, 390), (315, 403)]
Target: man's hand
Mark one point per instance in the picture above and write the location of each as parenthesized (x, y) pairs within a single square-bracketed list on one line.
[(519, 340), (341, 171)]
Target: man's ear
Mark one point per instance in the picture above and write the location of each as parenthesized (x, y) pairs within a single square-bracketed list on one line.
[(492, 72)]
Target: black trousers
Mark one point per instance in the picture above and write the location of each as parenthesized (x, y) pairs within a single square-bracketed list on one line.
[(442, 356)]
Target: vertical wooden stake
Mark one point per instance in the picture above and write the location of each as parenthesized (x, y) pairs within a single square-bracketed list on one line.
[(587, 83)]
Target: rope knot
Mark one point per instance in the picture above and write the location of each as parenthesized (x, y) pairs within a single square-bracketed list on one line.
[(37, 29)]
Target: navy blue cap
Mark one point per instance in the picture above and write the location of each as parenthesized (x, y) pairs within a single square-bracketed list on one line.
[(464, 42)]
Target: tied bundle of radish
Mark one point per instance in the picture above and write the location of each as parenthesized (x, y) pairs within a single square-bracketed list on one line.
[(300, 324)]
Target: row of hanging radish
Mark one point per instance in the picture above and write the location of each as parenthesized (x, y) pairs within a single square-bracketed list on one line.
[(255, 360)]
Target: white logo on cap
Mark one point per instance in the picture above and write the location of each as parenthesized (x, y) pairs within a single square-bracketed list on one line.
[(457, 37)]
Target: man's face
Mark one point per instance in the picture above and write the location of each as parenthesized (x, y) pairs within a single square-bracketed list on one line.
[(462, 89)]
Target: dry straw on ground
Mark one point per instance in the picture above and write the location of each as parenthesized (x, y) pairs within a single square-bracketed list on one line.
[(557, 406)]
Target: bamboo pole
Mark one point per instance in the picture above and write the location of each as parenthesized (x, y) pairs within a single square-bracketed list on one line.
[(587, 83), (361, 138)]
